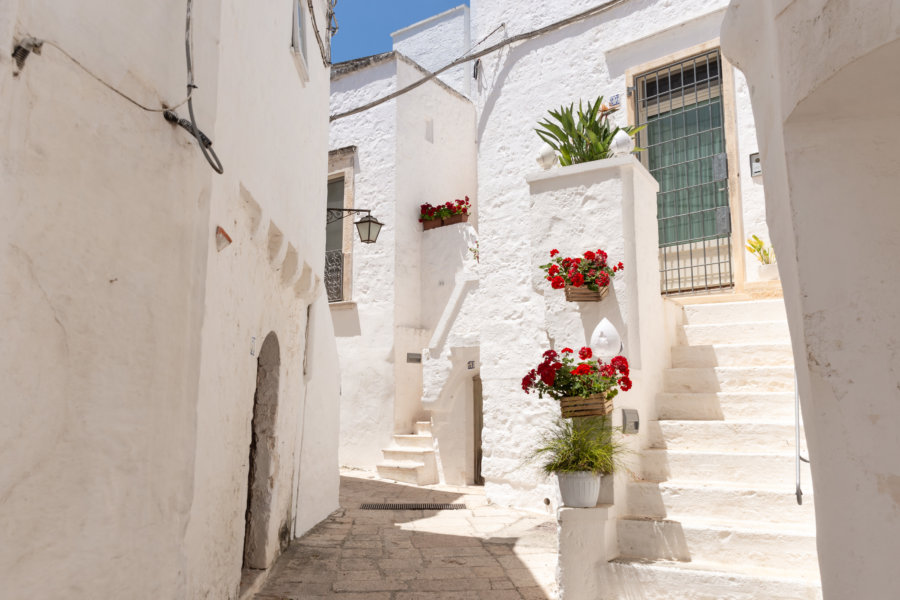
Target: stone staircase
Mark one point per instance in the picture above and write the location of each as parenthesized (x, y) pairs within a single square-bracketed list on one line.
[(411, 457), (714, 515)]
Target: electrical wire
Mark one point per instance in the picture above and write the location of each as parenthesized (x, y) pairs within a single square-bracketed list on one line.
[(600, 8), (205, 143), (312, 15), (111, 87)]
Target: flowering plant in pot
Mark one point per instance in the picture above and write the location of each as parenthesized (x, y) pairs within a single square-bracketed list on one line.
[(447, 213), (583, 388), (579, 452), (585, 278)]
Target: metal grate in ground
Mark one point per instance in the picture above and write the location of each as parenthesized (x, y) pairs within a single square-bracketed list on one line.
[(412, 506)]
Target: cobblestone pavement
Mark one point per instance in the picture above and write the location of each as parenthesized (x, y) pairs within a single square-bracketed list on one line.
[(481, 553)]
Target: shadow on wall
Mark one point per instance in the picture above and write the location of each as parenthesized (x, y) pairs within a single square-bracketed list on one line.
[(346, 321), (333, 557)]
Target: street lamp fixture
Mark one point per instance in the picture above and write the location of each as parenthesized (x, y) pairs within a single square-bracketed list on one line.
[(368, 226)]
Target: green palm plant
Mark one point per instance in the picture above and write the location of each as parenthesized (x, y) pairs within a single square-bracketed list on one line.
[(583, 444), (583, 136)]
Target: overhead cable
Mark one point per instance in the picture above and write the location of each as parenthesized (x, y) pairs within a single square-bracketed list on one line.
[(609, 5)]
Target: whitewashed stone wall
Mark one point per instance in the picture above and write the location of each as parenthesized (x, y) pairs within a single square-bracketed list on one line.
[(831, 186), (419, 148), (127, 373), (437, 41)]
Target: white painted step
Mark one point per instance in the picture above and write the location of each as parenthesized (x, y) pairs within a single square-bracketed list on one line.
[(405, 472), (723, 436), (772, 406), (735, 312), (423, 428), (733, 355), (755, 332), (749, 468), (759, 544), (729, 503), (729, 379), (414, 441), (420, 456), (702, 581)]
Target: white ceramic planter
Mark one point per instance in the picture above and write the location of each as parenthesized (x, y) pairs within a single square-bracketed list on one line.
[(768, 272), (579, 490)]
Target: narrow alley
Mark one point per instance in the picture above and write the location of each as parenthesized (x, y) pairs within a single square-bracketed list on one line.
[(477, 553)]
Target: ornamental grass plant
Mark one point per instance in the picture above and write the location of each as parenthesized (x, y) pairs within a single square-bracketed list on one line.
[(579, 445)]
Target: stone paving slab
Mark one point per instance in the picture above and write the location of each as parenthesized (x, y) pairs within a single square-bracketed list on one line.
[(481, 553)]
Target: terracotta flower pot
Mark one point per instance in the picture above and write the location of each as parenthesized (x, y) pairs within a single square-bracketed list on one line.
[(426, 225), (453, 219)]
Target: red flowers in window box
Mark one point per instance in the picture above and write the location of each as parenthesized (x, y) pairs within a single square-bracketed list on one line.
[(560, 376), (589, 272), (447, 213)]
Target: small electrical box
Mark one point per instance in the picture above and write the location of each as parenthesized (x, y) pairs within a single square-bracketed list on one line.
[(471, 365), (755, 165), (413, 357), (630, 420)]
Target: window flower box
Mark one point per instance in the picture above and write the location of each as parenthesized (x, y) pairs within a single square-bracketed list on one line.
[(448, 213)]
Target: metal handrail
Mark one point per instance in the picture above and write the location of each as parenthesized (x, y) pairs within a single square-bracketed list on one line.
[(797, 438)]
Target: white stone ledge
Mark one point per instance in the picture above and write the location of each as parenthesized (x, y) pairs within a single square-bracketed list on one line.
[(617, 162)]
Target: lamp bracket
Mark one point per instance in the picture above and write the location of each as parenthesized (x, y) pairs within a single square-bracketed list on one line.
[(336, 214)]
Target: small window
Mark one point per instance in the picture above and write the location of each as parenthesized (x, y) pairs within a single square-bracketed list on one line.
[(298, 40)]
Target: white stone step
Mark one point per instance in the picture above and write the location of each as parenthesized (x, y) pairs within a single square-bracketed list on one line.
[(663, 580), (730, 503), (735, 312), (420, 456), (733, 355), (723, 436), (405, 472), (423, 428), (414, 441), (772, 406), (760, 469), (729, 379), (706, 541), (755, 332)]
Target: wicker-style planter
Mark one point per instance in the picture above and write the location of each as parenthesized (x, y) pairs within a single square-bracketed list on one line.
[(434, 223), (584, 294), (592, 406)]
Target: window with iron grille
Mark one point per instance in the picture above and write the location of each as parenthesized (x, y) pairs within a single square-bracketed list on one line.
[(334, 245), (681, 106)]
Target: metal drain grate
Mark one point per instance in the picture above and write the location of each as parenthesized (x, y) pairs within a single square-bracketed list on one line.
[(413, 506)]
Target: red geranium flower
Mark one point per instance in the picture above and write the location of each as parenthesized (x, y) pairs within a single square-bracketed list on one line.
[(625, 384), (585, 353), (554, 252), (582, 369), (602, 279), (551, 354), (577, 279), (567, 350), (590, 255), (553, 270), (621, 364), (608, 371), (558, 283)]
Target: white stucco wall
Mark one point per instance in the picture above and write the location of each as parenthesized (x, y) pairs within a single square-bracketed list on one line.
[(438, 41), (419, 148), (127, 370), (830, 187)]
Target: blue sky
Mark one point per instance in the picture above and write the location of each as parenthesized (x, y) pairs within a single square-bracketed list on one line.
[(365, 26)]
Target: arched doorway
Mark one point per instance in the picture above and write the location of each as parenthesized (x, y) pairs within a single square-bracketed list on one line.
[(262, 459)]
